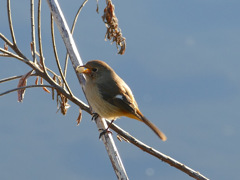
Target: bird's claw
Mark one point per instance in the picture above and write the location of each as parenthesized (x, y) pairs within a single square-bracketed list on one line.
[(103, 132), (94, 116)]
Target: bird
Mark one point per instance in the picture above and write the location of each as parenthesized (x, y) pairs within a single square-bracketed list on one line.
[(109, 96)]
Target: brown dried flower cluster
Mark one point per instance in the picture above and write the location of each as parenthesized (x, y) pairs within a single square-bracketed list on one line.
[(113, 31)]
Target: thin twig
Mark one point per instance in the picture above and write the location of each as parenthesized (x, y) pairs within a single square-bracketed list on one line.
[(24, 87), (12, 55), (77, 15), (40, 37), (56, 57), (72, 30), (10, 79), (33, 32), (53, 73), (14, 45), (13, 78), (6, 40), (10, 22)]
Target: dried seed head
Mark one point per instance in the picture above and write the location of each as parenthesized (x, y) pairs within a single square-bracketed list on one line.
[(113, 31)]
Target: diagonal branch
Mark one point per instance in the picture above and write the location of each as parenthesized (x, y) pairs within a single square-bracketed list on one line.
[(72, 30), (9, 79), (6, 40), (56, 57), (12, 78), (156, 153), (12, 55), (4, 55)]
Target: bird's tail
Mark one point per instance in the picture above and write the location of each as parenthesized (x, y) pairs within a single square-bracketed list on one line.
[(159, 133)]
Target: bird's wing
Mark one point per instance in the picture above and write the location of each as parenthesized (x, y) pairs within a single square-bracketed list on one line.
[(119, 95)]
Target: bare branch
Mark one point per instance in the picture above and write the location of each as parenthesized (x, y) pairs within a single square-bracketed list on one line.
[(72, 30), (12, 55), (56, 57), (33, 32), (40, 37), (77, 15), (60, 90), (9, 79), (14, 47), (10, 22), (12, 78), (156, 153), (53, 73), (113, 156), (35, 66), (4, 55), (6, 40), (24, 87), (66, 35)]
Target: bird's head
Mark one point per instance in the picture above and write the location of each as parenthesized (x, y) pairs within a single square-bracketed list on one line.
[(95, 70)]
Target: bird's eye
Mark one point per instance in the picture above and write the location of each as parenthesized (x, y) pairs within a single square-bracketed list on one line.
[(94, 69)]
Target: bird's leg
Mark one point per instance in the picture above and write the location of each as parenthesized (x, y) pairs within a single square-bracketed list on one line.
[(94, 116), (106, 130)]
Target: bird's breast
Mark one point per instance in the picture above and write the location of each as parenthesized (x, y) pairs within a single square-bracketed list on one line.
[(98, 104)]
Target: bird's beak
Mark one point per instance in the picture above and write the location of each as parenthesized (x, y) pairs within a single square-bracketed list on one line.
[(83, 69)]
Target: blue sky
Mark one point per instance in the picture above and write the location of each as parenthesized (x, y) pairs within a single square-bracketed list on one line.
[(181, 62)]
